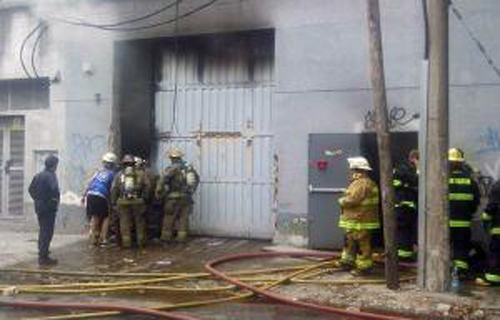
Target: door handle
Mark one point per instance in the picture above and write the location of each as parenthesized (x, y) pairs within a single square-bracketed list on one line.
[(326, 190)]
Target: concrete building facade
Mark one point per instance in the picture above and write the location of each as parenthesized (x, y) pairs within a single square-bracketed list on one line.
[(309, 74)]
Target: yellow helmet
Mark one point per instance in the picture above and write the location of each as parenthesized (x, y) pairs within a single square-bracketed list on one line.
[(175, 152), (456, 155)]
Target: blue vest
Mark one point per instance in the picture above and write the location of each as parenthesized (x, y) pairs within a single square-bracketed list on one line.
[(101, 183)]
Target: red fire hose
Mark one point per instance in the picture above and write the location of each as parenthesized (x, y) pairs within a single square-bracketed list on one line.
[(210, 266), (97, 307)]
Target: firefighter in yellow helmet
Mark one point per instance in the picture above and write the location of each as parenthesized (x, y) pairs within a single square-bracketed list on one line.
[(175, 188), (359, 217), (464, 199), (129, 195)]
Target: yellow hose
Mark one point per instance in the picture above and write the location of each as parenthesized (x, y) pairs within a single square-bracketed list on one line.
[(187, 304)]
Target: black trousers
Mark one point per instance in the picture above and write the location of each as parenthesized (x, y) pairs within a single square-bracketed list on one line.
[(46, 221), (494, 256), (407, 228), (460, 244)]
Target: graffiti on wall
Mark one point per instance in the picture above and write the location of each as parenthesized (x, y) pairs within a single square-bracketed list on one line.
[(398, 117), (84, 153), (488, 151)]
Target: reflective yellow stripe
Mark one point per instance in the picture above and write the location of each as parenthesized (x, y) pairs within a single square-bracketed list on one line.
[(461, 196), (364, 263), (495, 230), (492, 277), (459, 223), (460, 181), (460, 264), (486, 217), (405, 254), (410, 204), (352, 225), (346, 257), (372, 201), (396, 182)]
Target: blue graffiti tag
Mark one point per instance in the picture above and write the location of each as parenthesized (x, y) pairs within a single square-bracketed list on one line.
[(489, 141)]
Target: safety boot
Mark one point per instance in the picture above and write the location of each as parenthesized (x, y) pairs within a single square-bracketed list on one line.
[(362, 272), (166, 236), (47, 261), (343, 265), (181, 236)]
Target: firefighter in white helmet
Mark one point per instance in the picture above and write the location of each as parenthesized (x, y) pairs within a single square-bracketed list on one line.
[(359, 217), (175, 188)]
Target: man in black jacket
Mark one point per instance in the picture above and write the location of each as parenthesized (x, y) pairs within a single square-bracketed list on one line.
[(44, 189)]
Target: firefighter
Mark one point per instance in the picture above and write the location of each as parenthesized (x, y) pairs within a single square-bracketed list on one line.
[(96, 197), (406, 190), (175, 187), (491, 222), (359, 218), (129, 195), (463, 199)]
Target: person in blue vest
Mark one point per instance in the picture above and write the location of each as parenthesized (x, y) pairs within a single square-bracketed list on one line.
[(464, 199), (96, 197)]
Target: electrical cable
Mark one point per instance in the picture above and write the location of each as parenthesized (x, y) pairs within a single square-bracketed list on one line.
[(33, 50), (123, 22), (478, 43), (162, 23), (23, 45)]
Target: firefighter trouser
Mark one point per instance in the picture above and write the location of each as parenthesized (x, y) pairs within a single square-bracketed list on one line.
[(460, 246), (132, 214), (492, 274), (358, 249), (176, 218), (407, 231)]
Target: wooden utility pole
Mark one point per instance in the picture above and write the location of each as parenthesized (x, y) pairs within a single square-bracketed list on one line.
[(384, 144), (437, 262)]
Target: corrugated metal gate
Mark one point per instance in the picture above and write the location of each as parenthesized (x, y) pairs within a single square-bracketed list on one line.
[(222, 119), (12, 142)]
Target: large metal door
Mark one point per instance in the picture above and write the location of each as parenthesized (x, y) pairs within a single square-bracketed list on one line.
[(328, 178), (223, 122), (12, 148)]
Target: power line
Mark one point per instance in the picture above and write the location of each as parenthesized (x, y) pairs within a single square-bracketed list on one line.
[(120, 23), (154, 25), (23, 45), (35, 46), (478, 43)]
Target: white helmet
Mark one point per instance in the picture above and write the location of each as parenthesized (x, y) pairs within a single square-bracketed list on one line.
[(109, 157), (359, 163)]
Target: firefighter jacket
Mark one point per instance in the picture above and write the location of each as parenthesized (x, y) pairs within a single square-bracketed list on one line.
[(130, 186), (360, 204), (491, 214), (464, 197), (178, 181), (405, 184)]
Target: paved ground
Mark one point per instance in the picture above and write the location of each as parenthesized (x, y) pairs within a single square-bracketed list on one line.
[(19, 250)]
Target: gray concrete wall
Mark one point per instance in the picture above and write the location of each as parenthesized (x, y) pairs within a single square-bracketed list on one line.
[(322, 76)]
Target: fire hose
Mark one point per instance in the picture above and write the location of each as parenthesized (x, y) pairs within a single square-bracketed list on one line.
[(210, 267)]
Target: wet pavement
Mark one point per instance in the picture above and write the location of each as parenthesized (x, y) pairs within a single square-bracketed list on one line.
[(190, 257), (156, 257)]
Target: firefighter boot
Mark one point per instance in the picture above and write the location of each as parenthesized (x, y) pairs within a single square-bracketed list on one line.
[(181, 236)]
